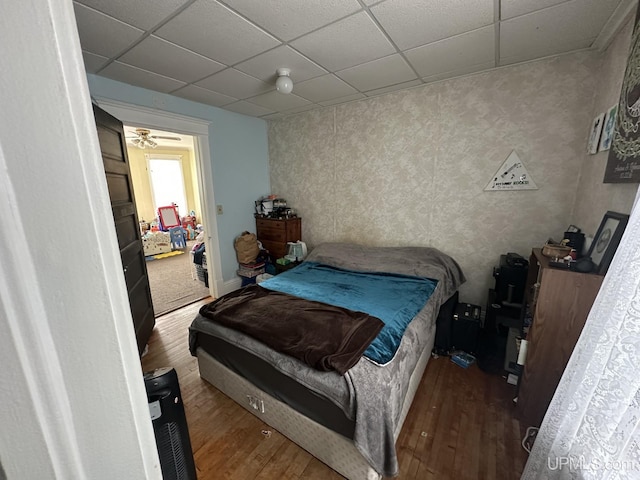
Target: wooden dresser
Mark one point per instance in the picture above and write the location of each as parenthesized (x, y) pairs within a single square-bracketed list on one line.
[(274, 234), (560, 309)]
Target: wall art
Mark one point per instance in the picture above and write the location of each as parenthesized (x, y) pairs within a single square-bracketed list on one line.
[(623, 163)]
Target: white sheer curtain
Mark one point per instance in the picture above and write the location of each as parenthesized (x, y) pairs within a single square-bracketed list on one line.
[(592, 427)]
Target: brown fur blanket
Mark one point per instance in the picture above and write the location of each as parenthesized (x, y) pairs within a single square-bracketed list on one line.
[(323, 336)]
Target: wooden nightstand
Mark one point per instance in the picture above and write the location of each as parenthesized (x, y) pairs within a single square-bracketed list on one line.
[(284, 268)]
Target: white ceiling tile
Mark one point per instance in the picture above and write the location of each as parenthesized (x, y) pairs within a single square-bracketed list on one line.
[(159, 56), (352, 41), (273, 116), (348, 98), (323, 88), (528, 54), (514, 8), (235, 84), (247, 108), (202, 95), (440, 39), (378, 73), (92, 62), (305, 108), (141, 78), (277, 101), (476, 47), (393, 88), (466, 70), (101, 34), (141, 13), (288, 19), (212, 30), (411, 23), (554, 30), (264, 66)]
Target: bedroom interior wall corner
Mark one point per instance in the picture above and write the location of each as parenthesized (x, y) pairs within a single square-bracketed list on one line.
[(593, 197), (302, 165), (334, 232)]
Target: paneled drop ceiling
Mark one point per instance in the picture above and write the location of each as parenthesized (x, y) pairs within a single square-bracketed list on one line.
[(225, 53)]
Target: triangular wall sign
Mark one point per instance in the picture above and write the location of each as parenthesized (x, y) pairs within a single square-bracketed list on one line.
[(512, 175)]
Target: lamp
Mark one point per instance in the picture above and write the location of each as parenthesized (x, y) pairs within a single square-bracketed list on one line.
[(284, 84)]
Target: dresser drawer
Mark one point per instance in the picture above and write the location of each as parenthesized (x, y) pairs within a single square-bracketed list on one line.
[(272, 234), (277, 249), (270, 224)]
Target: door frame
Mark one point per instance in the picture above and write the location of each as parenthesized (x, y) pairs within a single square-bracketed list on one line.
[(199, 129)]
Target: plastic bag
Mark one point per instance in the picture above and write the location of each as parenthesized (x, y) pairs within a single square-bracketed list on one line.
[(247, 248)]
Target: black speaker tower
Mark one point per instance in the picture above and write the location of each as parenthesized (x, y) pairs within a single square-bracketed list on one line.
[(170, 424)]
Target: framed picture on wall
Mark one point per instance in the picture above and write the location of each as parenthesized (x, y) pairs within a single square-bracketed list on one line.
[(607, 129), (623, 161), (594, 136), (606, 241)]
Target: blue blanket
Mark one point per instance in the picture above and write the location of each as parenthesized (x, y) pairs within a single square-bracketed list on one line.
[(395, 299)]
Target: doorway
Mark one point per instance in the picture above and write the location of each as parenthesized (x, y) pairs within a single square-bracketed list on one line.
[(165, 174), (200, 130)]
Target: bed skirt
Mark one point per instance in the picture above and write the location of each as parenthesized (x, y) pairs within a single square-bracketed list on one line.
[(331, 448)]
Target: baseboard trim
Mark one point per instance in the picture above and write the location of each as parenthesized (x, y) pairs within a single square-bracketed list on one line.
[(228, 286)]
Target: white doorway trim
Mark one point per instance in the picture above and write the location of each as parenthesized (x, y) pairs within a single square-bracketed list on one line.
[(199, 129), (74, 403)]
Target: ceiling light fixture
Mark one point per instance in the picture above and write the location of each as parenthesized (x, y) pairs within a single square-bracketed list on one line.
[(143, 141), (284, 84)]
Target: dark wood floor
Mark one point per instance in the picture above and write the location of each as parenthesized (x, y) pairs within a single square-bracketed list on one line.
[(462, 423)]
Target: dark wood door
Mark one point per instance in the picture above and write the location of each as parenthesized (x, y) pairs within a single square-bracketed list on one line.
[(123, 205)]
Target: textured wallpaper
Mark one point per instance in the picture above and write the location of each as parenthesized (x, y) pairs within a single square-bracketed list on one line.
[(594, 197), (410, 167)]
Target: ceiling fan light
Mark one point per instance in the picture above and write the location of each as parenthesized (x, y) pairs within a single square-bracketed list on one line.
[(284, 84)]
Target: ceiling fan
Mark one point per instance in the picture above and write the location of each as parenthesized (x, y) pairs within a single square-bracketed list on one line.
[(144, 139)]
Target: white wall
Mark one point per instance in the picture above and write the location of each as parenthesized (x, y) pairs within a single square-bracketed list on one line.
[(594, 198), (410, 168), (73, 399)]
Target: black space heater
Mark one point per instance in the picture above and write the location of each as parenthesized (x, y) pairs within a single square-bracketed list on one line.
[(169, 424)]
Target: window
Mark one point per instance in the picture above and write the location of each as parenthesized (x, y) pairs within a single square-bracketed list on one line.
[(167, 181)]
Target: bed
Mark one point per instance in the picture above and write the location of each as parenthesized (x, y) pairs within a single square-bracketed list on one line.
[(347, 408)]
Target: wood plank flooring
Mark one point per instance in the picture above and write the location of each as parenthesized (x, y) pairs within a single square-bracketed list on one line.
[(462, 424)]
